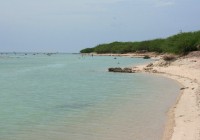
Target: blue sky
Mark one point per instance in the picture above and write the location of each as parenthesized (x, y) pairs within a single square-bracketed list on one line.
[(71, 25)]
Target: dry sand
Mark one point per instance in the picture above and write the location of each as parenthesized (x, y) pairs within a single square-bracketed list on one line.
[(184, 117)]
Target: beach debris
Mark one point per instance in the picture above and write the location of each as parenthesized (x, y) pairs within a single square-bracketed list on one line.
[(183, 88)]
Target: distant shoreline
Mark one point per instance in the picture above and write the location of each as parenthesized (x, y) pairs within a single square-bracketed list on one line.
[(133, 55)]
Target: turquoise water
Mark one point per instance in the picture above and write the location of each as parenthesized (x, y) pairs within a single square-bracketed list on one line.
[(70, 97)]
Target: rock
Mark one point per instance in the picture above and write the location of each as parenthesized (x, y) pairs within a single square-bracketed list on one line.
[(118, 69), (150, 65), (162, 63), (136, 70), (127, 70), (147, 69), (115, 69)]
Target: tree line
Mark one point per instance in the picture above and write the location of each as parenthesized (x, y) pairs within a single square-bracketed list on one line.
[(181, 43)]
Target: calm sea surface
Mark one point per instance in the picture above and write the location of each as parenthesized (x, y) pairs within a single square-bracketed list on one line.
[(70, 97)]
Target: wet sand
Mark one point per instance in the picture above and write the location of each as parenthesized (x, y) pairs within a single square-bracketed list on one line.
[(183, 117)]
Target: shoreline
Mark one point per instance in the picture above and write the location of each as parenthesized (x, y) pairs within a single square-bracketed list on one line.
[(132, 55), (183, 117), (170, 115)]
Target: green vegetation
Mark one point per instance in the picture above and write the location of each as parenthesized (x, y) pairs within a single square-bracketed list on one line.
[(181, 43)]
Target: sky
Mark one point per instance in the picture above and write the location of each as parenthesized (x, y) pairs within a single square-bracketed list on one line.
[(71, 25)]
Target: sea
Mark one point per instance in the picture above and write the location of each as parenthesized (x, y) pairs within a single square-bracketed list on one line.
[(74, 97)]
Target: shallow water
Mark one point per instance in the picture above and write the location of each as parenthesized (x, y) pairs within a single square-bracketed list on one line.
[(70, 97)]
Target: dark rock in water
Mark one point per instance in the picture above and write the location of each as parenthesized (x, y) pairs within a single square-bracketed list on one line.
[(118, 69), (127, 70)]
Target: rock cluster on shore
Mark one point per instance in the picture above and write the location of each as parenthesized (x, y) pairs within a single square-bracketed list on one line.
[(148, 68)]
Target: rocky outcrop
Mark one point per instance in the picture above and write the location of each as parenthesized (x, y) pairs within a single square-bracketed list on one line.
[(162, 63), (118, 69), (122, 70)]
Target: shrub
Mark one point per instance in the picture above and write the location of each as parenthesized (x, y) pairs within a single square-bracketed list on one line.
[(169, 57), (181, 43)]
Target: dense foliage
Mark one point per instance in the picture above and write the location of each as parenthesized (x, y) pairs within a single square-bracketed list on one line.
[(181, 43)]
